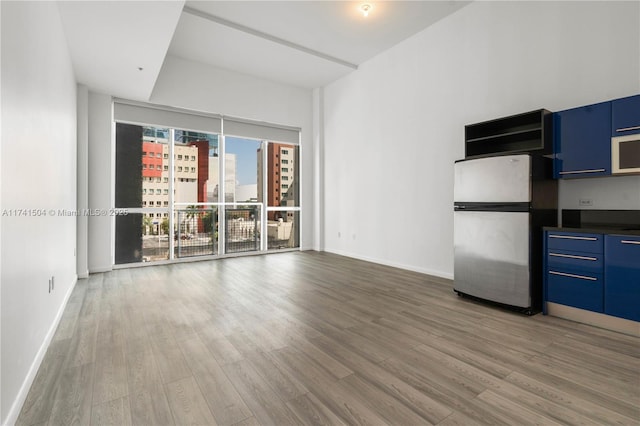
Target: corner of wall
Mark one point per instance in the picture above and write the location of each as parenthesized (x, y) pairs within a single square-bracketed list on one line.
[(1, 143), (99, 181), (82, 196), (318, 169)]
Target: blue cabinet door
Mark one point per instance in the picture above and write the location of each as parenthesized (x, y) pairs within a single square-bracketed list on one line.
[(582, 139), (625, 116), (622, 276)]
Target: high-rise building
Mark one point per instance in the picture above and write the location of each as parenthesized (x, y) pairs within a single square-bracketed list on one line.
[(213, 184), (196, 172), (280, 177), (155, 174)]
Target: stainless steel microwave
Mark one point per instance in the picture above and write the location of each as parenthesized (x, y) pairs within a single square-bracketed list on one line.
[(625, 154)]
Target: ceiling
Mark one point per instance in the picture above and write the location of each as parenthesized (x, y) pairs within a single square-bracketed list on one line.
[(302, 43)]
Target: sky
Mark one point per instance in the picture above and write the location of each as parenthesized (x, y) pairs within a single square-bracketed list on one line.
[(246, 158)]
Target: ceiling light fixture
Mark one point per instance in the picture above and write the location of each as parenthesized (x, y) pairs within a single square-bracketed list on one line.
[(365, 8)]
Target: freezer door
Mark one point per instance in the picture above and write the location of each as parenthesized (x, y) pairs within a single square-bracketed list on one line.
[(491, 252), (504, 179)]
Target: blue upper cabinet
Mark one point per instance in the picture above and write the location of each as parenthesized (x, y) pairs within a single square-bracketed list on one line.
[(625, 116), (582, 139)]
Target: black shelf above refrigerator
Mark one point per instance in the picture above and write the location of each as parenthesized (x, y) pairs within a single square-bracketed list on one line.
[(530, 132)]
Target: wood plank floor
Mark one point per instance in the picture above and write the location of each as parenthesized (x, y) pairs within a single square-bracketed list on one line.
[(315, 338)]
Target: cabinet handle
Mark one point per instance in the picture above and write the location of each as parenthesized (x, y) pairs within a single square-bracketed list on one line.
[(575, 172), (571, 256), (630, 242), (568, 237), (582, 277), (626, 129)]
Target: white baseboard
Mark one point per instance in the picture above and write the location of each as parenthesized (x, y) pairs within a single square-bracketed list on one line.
[(426, 271), (98, 269), (16, 407)]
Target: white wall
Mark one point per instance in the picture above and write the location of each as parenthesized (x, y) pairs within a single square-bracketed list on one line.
[(318, 168), (38, 172), (82, 179), (201, 87), (394, 127), (101, 171), (605, 193)]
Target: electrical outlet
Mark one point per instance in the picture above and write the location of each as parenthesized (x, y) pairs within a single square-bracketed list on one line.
[(585, 202)]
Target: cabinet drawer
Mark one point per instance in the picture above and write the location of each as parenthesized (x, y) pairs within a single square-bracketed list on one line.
[(584, 291), (573, 241), (575, 261)]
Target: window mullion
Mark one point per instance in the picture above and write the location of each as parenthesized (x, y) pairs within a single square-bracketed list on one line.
[(172, 133), (222, 214), (265, 185)]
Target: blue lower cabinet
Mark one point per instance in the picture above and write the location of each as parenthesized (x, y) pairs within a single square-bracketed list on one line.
[(584, 291), (622, 272)]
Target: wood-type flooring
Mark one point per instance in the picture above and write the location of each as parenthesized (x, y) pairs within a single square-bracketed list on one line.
[(315, 338)]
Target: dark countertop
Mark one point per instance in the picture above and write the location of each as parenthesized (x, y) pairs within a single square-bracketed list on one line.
[(603, 230)]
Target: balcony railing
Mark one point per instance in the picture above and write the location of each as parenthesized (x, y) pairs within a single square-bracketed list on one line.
[(196, 232), (242, 232)]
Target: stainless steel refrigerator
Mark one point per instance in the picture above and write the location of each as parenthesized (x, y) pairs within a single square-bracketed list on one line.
[(500, 206)]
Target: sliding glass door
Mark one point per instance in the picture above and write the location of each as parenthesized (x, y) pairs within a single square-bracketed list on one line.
[(195, 208), (281, 195), (243, 211)]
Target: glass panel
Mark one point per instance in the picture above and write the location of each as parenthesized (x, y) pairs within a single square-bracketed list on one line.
[(242, 231), (196, 232), (195, 167), (282, 176), (129, 165), (142, 237), (242, 158), (283, 232), (155, 167)]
